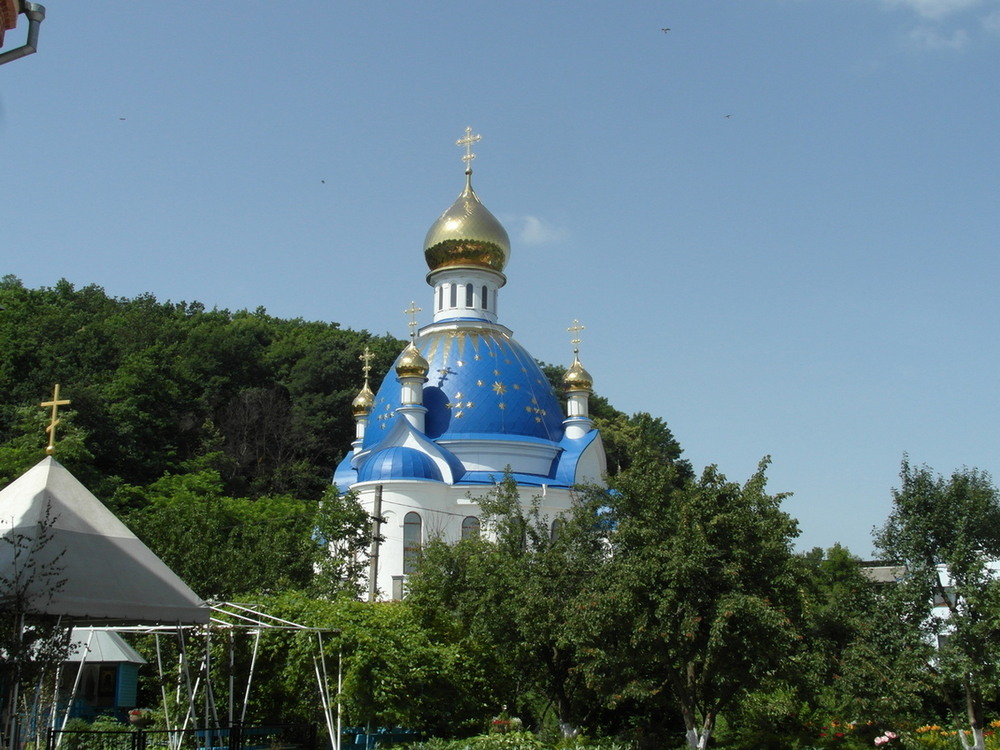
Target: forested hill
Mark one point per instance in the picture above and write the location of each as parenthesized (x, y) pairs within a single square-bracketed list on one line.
[(159, 386), (166, 387)]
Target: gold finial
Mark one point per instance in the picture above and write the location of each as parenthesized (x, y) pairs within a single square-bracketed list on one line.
[(575, 341), (467, 141), (55, 403), (412, 311), (367, 357)]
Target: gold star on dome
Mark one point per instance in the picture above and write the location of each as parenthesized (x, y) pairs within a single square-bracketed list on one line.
[(499, 388)]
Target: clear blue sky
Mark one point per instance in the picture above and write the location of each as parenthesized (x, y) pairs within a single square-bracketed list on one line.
[(778, 221)]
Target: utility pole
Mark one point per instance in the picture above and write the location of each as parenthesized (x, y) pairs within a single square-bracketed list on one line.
[(376, 536)]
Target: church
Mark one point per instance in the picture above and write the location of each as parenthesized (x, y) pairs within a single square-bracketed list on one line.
[(465, 403)]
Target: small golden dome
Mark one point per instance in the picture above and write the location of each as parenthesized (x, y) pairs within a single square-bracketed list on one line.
[(577, 378), (412, 364), (467, 234), (364, 401)]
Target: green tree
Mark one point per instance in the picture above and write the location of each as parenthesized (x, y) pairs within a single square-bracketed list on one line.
[(945, 533), (698, 601), (343, 536), (223, 546), (395, 673), (26, 446), (513, 590)]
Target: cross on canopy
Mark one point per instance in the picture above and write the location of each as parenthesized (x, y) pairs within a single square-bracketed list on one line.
[(55, 403)]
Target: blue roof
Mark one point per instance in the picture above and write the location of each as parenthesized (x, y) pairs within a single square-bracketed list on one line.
[(398, 462), (481, 384)]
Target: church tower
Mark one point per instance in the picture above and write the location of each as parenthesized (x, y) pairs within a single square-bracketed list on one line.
[(466, 402)]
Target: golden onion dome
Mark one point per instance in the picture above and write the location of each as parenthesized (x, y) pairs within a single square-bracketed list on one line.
[(467, 234), (577, 378), (412, 364), (363, 402)]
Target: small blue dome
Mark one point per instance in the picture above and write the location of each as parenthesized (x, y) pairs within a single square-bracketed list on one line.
[(398, 462)]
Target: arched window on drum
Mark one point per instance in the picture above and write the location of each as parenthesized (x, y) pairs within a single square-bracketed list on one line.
[(412, 537), (470, 527), (557, 527)]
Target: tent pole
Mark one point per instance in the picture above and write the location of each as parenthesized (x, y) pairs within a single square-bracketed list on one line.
[(185, 666), (324, 697), (324, 687), (232, 685), (210, 704), (163, 690), (253, 664), (76, 686), (340, 683)]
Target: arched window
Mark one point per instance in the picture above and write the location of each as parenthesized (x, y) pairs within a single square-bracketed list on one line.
[(468, 295), (441, 297), (470, 527), (557, 526), (454, 295), (486, 297), (412, 530)]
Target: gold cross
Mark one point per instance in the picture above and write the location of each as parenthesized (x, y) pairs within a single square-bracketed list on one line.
[(575, 341), (367, 358), (467, 141), (412, 311), (55, 403)]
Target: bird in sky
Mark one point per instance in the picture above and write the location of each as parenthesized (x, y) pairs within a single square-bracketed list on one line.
[(664, 30)]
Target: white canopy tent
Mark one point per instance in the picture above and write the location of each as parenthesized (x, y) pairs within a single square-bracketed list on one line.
[(64, 555), (54, 529), (108, 574)]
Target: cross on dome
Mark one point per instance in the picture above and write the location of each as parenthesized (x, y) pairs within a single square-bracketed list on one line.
[(575, 341), (412, 311), (467, 141), (366, 358)]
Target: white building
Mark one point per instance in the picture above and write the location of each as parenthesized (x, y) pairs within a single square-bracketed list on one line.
[(467, 401)]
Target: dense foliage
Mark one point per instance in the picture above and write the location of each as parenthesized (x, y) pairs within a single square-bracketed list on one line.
[(155, 385), (667, 608)]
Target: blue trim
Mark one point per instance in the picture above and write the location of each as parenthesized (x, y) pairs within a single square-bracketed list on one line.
[(570, 458), (490, 478)]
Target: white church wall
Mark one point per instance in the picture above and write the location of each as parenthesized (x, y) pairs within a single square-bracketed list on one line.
[(442, 510)]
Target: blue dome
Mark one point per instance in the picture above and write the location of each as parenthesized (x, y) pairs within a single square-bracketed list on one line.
[(398, 462), (481, 384)]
